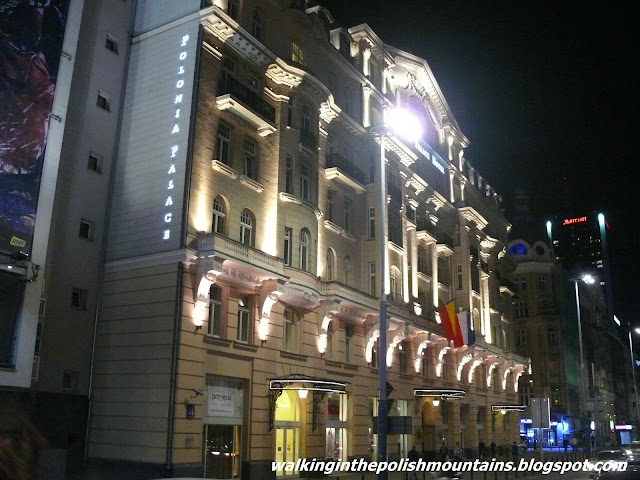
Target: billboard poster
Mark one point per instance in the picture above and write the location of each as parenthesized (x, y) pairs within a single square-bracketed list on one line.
[(31, 34)]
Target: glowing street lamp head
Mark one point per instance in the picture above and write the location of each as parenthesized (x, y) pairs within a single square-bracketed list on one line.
[(637, 330), (588, 279), (404, 123)]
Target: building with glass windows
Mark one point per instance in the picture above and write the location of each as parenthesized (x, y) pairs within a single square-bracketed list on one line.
[(238, 318)]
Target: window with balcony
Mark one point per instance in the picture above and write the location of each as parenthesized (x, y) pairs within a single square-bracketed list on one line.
[(219, 215), (223, 143), (215, 311), (247, 221), (304, 249), (250, 160), (244, 319)]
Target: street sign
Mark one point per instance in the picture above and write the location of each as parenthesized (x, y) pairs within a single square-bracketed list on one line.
[(389, 389), (540, 413)]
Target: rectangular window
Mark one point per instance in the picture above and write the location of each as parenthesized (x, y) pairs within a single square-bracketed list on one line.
[(425, 364), (459, 277), (304, 181), (372, 223), (297, 54), (288, 175), (250, 162), (347, 214), (232, 9), (287, 246), (215, 311), (223, 144), (111, 44), (541, 282), (348, 335), (95, 162), (86, 229), (423, 259), (228, 65), (522, 309), (291, 331), (79, 298), (330, 199), (290, 111), (372, 278), (403, 357), (104, 101), (375, 354), (70, 381), (306, 118), (244, 318)]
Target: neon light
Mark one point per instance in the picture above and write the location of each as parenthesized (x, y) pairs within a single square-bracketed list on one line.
[(569, 221), (182, 56)]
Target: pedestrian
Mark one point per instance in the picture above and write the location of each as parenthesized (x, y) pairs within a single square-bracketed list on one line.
[(481, 448), (492, 447), (565, 444), (514, 451), (414, 456), (574, 444), (457, 453), (444, 451)]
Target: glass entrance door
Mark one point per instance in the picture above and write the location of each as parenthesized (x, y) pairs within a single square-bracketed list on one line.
[(222, 451), (287, 445)]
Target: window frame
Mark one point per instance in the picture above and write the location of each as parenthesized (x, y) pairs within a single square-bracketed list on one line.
[(303, 251), (214, 326), (223, 143), (245, 317)]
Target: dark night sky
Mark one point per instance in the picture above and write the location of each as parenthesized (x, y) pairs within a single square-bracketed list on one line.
[(546, 94)]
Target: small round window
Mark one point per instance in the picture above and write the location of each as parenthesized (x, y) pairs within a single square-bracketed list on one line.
[(540, 250)]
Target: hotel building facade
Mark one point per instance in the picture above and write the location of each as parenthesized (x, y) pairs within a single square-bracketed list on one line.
[(239, 307)]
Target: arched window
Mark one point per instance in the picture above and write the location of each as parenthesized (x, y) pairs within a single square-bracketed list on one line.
[(330, 265), (247, 221), (347, 270), (304, 249), (219, 215)]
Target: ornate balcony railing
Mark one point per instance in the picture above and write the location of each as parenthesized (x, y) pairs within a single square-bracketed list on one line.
[(344, 164), (248, 97)]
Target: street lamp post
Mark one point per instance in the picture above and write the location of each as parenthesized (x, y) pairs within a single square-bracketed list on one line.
[(400, 121), (583, 382), (633, 374)]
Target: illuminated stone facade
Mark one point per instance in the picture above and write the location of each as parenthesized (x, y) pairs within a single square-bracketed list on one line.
[(270, 270)]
